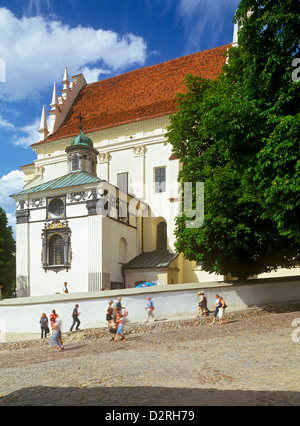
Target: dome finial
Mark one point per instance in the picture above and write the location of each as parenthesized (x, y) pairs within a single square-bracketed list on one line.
[(81, 139)]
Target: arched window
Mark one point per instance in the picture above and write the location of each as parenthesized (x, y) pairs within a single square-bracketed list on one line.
[(161, 236), (84, 163), (56, 250), (75, 162)]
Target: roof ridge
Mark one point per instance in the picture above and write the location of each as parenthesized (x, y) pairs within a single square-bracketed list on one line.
[(137, 95), (157, 65)]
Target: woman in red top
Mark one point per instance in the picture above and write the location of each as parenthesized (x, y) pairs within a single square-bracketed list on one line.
[(52, 320)]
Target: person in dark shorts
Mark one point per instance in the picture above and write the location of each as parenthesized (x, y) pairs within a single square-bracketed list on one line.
[(75, 316)]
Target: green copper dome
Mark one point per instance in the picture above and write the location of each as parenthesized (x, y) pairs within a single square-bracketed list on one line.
[(81, 139)]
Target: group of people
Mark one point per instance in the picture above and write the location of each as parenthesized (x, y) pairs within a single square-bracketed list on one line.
[(55, 329), (219, 306), (55, 326), (116, 316)]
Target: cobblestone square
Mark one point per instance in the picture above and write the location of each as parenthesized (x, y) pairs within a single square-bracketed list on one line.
[(253, 359)]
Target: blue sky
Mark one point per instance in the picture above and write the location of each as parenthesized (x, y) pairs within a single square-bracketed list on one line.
[(102, 38)]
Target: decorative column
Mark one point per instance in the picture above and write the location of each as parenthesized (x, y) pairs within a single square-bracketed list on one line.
[(104, 158), (140, 155)]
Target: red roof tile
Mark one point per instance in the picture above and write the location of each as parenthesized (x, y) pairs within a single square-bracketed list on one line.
[(137, 95)]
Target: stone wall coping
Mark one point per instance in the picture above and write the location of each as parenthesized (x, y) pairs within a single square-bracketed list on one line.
[(114, 294)]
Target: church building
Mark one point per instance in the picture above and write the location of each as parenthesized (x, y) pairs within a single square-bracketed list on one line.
[(100, 200)]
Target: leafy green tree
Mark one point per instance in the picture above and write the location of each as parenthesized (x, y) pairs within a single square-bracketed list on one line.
[(7, 257), (238, 135), (269, 42)]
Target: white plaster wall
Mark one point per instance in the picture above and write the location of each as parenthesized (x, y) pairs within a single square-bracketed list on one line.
[(113, 231), (55, 169), (22, 315)]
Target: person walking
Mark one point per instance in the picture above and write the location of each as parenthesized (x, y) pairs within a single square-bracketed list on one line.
[(120, 328), (149, 309), (222, 308), (76, 320), (56, 338), (202, 304), (216, 306), (113, 329), (219, 306), (52, 320), (109, 313), (118, 308), (44, 325)]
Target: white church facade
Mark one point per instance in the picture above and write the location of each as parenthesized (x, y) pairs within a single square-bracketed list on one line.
[(100, 200)]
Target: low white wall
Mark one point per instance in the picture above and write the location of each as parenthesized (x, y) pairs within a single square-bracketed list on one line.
[(22, 315)]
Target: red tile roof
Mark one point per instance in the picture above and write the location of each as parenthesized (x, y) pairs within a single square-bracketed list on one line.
[(137, 95)]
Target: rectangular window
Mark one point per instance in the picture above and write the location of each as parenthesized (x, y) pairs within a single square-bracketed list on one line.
[(123, 182), (56, 246), (160, 179), (123, 186), (56, 250)]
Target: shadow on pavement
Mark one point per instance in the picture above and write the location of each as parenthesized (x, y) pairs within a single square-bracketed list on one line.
[(146, 397)]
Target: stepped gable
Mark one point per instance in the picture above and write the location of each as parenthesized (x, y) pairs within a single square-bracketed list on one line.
[(137, 95)]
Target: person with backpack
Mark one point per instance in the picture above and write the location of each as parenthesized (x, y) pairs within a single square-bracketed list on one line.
[(44, 326)]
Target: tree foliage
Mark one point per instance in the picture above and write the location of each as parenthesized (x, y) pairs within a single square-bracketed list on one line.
[(7, 257), (239, 135)]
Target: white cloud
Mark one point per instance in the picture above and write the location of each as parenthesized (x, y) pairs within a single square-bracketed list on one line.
[(10, 184), (92, 75), (27, 135), (203, 17), (22, 136), (36, 51), (6, 125)]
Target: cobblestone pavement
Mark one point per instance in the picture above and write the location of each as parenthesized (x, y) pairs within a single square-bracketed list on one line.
[(251, 360)]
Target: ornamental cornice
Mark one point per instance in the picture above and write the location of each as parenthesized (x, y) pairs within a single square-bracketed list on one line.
[(102, 134), (132, 126)]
